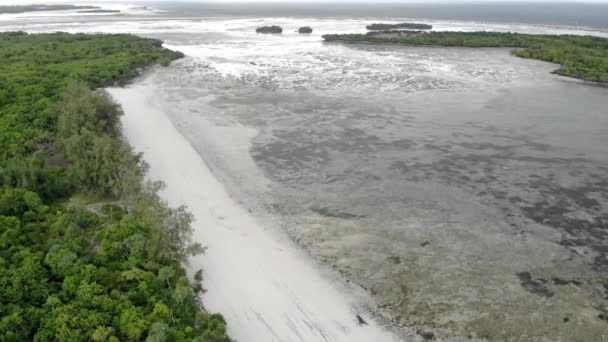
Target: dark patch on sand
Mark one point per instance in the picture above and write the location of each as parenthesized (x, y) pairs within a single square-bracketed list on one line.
[(535, 286), (336, 213), (563, 282), (394, 259)]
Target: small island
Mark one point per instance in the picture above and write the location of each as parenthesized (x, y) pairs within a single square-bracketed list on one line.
[(100, 11), (583, 57), (394, 33), (410, 26), (305, 29), (38, 8), (269, 29)]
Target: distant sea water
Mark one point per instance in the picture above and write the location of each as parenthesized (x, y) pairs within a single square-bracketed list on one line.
[(559, 14)]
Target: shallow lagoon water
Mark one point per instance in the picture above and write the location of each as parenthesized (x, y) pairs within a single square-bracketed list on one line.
[(465, 189), (461, 187)]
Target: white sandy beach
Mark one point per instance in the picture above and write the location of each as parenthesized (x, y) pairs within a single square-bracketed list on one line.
[(266, 288)]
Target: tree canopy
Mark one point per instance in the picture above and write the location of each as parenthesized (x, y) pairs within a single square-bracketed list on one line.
[(107, 269)]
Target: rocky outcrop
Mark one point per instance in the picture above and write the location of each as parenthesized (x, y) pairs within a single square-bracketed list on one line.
[(305, 29), (269, 29)]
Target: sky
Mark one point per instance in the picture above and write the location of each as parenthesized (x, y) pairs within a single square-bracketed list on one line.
[(88, 2), (24, 2)]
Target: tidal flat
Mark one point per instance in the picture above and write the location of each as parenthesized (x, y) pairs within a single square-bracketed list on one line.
[(465, 189)]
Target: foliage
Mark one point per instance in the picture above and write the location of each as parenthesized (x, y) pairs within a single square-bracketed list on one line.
[(413, 26), (88, 131), (34, 70), (71, 276), (67, 273), (584, 57)]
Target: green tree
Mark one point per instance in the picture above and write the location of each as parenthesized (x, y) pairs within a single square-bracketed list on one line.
[(131, 323), (68, 273)]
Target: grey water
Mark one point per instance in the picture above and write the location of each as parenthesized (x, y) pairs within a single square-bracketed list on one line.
[(593, 15)]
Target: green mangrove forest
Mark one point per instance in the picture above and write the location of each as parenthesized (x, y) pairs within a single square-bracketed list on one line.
[(88, 250), (583, 57), (410, 26)]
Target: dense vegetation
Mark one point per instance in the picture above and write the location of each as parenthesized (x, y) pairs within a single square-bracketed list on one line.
[(88, 252), (584, 57), (394, 33), (411, 26), (269, 29)]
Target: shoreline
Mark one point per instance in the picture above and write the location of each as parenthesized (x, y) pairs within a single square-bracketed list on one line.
[(554, 72), (266, 288), (579, 57)]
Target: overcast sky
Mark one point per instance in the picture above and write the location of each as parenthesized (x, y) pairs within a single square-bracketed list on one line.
[(386, 1), (23, 2), (13, 2)]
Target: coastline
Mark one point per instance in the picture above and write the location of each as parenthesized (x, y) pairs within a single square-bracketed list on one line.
[(554, 72), (265, 287), (580, 57)]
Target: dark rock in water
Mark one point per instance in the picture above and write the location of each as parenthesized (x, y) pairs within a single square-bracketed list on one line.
[(269, 29), (361, 321), (414, 26), (305, 29)]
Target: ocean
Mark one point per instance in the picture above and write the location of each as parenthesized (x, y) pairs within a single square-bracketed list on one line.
[(592, 15)]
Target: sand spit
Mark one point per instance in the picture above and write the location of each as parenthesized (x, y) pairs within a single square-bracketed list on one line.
[(265, 287)]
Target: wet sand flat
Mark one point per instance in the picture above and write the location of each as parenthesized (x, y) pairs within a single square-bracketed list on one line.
[(464, 189)]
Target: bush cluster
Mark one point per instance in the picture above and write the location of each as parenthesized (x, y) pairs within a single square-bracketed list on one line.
[(108, 269)]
